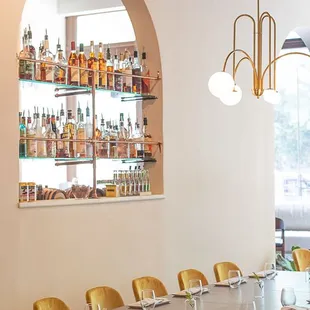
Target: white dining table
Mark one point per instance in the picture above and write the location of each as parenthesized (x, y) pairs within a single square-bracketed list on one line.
[(220, 298)]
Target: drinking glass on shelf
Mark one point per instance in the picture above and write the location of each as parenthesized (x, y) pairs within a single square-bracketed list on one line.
[(195, 287), (148, 299), (234, 278), (307, 274), (270, 271), (288, 297)]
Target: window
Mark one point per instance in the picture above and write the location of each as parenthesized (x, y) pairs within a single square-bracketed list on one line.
[(292, 125)]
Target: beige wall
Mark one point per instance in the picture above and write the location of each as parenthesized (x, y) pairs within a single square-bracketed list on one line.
[(217, 170)]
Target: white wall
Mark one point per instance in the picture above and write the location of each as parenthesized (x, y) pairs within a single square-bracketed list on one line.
[(75, 7), (218, 169)]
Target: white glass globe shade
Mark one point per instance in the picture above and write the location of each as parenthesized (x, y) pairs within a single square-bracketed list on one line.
[(272, 96), (219, 83), (232, 97)]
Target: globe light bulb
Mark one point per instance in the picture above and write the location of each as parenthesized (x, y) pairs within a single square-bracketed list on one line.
[(219, 83), (232, 97), (272, 96)]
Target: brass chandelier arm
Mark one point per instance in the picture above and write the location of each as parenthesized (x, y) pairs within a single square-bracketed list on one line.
[(272, 24), (235, 37), (247, 56), (238, 64), (279, 57)]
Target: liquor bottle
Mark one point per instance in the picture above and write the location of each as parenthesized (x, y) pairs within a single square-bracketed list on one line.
[(46, 69), (30, 133), (110, 68), (22, 134), (136, 70), (127, 81), (92, 64), (50, 145), (60, 70), (102, 67), (70, 133), (147, 181), (58, 46), (38, 65), (138, 137), (73, 73), (113, 138), (83, 64), (147, 148), (26, 68), (122, 148), (32, 50), (130, 137), (54, 124), (104, 138), (78, 113), (22, 62), (145, 75), (118, 79), (41, 145), (89, 133), (81, 134), (60, 130)]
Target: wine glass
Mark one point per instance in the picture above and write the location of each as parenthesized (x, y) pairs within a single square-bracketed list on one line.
[(288, 297), (234, 278), (269, 271), (195, 287), (148, 299)]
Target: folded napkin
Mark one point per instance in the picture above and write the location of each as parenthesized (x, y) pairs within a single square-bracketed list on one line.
[(225, 282), (261, 274), (158, 302), (194, 291)]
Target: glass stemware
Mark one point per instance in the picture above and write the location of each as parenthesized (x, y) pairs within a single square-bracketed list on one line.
[(148, 299), (288, 297), (270, 271), (234, 278), (195, 287)]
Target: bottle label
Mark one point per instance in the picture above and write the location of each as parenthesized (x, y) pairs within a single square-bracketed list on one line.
[(118, 81), (49, 70), (110, 79), (32, 147), (22, 69), (51, 149), (83, 77), (41, 148), (96, 74), (102, 75), (136, 81), (81, 146), (74, 75)]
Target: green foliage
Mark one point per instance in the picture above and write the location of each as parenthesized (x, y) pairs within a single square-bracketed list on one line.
[(285, 263)]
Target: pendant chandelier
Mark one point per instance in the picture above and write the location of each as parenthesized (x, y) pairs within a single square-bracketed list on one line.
[(223, 85)]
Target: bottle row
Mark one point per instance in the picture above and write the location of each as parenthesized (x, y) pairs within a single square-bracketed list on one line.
[(119, 140), (125, 183), (77, 71)]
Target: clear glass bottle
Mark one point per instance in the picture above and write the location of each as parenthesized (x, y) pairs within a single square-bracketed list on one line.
[(81, 134), (89, 133), (145, 75), (138, 137), (32, 50), (41, 145), (70, 133), (22, 134), (110, 68), (136, 70), (30, 133), (122, 148), (105, 138), (73, 73), (92, 64), (103, 67), (113, 139), (47, 55), (127, 82), (83, 74), (50, 145), (61, 151), (60, 70), (130, 138), (38, 65)]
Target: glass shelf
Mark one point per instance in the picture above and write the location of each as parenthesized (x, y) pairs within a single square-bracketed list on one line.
[(124, 96), (123, 160)]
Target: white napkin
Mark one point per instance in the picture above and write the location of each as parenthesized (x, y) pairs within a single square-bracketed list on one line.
[(261, 274), (225, 282), (150, 301), (193, 291)]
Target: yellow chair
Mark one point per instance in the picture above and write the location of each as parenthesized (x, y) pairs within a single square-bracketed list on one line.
[(143, 283), (301, 259), (50, 303), (104, 296), (185, 276), (221, 270)]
